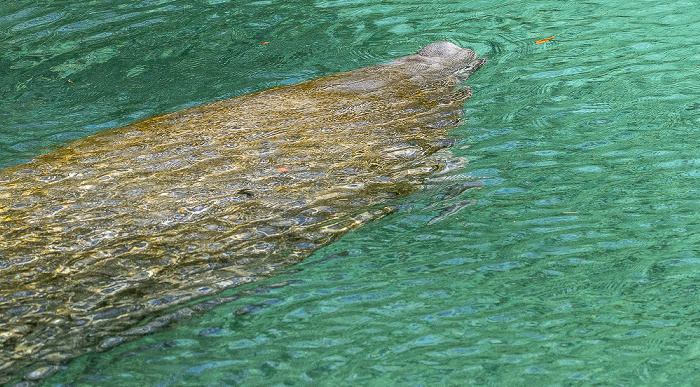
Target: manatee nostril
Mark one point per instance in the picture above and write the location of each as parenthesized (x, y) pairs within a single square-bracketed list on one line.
[(471, 67)]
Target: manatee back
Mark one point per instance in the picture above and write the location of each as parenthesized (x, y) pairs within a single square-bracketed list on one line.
[(126, 223)]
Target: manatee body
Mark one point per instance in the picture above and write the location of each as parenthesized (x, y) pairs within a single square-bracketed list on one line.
[(116, 226)]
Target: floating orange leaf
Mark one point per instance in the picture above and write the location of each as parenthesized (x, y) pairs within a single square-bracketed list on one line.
[(544, 40)]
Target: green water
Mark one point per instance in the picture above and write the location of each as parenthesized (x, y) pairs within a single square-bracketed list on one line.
[(576, 263)]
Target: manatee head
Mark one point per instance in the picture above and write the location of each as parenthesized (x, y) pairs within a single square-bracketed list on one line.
[(442, 60), (437, 64)]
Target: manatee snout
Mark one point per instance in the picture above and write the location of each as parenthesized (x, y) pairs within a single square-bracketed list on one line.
[(443, 60)]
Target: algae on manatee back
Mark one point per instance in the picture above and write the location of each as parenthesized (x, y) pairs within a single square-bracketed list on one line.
[(116, 226)]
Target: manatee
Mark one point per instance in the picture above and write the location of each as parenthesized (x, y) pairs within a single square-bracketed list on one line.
[(115, 227)]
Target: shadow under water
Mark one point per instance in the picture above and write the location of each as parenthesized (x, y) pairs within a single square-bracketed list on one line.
[(108, 231)]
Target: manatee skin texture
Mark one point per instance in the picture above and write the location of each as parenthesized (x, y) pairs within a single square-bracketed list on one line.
[(120, 225)]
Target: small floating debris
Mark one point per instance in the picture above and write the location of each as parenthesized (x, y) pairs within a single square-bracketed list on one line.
[(544, 40)]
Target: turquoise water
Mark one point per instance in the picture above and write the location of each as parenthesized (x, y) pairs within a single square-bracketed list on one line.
[(576, 262)]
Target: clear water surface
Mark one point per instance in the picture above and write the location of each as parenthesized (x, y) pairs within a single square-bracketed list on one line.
[(577, 261)]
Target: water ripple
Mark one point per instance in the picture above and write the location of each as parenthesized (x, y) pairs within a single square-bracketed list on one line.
[(575, 260)]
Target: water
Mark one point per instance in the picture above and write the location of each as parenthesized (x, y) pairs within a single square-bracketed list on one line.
[(575, 262)]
